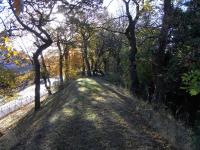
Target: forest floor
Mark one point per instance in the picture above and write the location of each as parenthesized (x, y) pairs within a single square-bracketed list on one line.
[(89, 114)]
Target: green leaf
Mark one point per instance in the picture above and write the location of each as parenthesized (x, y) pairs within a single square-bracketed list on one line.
[(193, 92)]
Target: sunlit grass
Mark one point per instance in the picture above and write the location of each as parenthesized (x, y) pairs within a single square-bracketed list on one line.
[(99, 98), (68, 111), (91, 116), (119, 118), (88, 85), (82, 89), (54, 118), (65, 112)]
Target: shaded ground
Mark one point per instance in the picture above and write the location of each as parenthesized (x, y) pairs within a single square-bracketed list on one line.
[(11, 120), (89, 114)]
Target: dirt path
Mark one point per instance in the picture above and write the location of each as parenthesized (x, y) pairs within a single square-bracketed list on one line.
[(88, 115)]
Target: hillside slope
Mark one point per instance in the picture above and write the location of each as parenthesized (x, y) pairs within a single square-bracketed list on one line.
[(89, 114)]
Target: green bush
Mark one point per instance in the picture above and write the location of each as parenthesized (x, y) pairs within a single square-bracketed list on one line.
[(191, 82), (7, 80)]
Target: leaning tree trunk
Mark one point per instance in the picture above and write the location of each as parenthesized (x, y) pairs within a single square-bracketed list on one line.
[(37, 72)]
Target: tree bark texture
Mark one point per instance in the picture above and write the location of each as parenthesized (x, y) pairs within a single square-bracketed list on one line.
[(159, 56), (37, 72)]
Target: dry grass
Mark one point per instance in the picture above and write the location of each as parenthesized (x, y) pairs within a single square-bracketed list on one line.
[(89, 114), (11, 120)]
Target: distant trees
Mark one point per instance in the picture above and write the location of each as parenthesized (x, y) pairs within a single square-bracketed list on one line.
[(61, 55), (64, 41), (106, 52), (82, 20), (85, 31), (75, 33)]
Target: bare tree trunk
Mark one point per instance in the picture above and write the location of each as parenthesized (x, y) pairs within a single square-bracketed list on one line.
[(37, 72), (95, 68), (87, 63), (106, 67), (92, 64), (37, 82), (83, 67), (130, 34), (118, 61), (61, 69), (66, 55), (85, 57), (66, 62), (159, 57), (60, 63), (88, 67), (46, 76)]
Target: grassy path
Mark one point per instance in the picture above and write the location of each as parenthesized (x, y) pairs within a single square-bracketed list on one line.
[(89, 114)]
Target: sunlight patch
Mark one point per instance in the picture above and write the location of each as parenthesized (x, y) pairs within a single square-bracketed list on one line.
[(68, 111), (86, 80), (54, 118), (90, 115), (119, 119), (82, 89), (98, 98), (112, 95), (88, 85)]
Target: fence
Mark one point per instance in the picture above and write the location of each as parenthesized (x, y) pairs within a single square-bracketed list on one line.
[(15, 105)]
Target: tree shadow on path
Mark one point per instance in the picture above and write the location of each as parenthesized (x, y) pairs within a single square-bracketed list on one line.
[(89, 114)]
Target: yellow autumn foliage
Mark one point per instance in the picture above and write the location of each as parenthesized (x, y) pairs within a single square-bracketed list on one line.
[(8, 51)]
